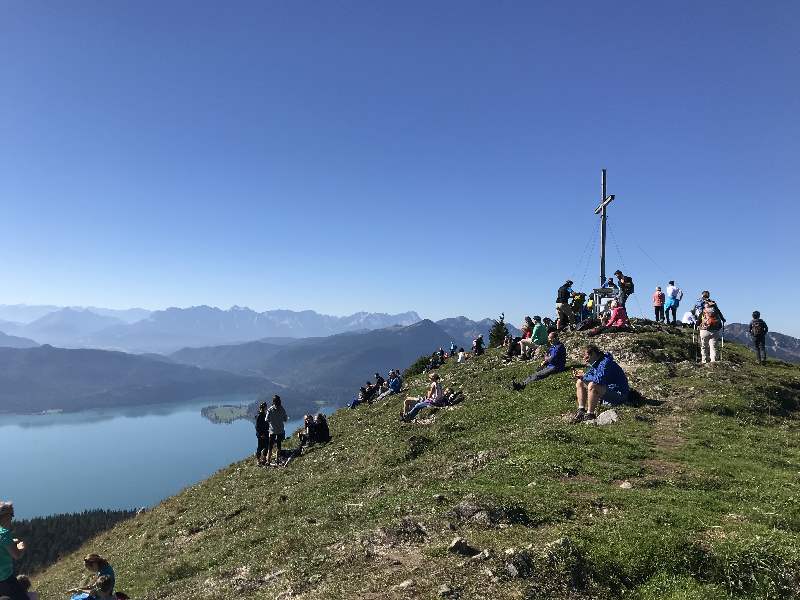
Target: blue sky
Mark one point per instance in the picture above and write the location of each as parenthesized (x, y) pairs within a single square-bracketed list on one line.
[(441, 157)]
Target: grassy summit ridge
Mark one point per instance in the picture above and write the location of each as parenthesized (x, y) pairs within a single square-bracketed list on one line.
[(712, 454)]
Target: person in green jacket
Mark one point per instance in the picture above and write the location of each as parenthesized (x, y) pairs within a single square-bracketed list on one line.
[(11, 549), (537, 343)]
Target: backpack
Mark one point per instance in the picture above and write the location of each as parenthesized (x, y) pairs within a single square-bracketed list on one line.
[(627, 285), (757, 328), (679, 295), (711, 318)]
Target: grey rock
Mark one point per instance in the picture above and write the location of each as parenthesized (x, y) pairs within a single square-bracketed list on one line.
[(460, 546), (607, 417)]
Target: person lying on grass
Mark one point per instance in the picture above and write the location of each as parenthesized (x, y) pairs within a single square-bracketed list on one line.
[(604, 381)]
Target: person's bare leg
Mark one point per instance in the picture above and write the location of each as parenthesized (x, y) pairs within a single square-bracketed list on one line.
[(596, 393), (581, 393)]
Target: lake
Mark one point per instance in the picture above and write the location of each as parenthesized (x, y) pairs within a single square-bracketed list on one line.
[(117, 458)]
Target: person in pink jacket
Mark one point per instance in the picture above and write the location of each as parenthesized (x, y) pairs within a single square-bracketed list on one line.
[(618, 317), (658, 304)]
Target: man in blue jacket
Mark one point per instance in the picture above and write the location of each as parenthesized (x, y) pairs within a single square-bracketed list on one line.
[(603, 381), (555, 362)]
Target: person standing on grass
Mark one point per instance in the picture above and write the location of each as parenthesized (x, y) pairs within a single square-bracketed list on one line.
[(758, 331), (262, 433), (603, 381), (566, 317), (711, 323), (674, 296), (11, 549), (658, 304), (276, 417)]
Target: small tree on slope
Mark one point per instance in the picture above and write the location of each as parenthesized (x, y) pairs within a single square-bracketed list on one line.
[(498, 332)]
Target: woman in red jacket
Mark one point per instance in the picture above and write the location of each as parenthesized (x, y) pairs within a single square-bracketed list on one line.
[(658, 304)]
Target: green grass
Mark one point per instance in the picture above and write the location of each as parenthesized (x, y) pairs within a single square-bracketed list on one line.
[(713, 456)]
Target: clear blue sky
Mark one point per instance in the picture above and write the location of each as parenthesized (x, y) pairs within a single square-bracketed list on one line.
[(436, 156)]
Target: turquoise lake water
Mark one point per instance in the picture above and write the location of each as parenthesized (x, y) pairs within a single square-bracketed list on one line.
[(117, 458)]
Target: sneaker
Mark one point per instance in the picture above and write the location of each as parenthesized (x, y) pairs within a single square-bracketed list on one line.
[(590, 417), (579, 416)]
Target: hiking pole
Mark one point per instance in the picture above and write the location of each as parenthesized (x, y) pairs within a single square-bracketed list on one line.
[(694, 343), (722, 346)]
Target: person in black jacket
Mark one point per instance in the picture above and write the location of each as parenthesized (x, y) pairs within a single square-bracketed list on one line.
[(262, 433), (565, 315), (758, 331)]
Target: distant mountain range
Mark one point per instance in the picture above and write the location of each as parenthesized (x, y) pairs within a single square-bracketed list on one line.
[(47, 378), (330, 368), (780, 346), (21, 314)]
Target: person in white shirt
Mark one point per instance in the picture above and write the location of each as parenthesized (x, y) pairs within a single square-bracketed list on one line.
[(673, 297)]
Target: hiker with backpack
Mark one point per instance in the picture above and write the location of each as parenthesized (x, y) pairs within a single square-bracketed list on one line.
[(673, 299), (477, 346), (276, 417), (11, 549), (604, 381), (712, 323), (563, 296), (758, 331), (555, 362), (626, 287), (658, 304), (262, 434)]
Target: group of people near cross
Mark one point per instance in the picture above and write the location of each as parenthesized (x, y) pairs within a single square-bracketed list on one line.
[(98, 584)]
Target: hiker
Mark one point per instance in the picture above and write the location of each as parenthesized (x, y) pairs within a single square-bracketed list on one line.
[(11, 549), (321, 430), (308, 434), (555, 362), (537, 341), (25, 583), (697, 309), (688, 319), (477, 345), (453, 348), (100, 569), (565, 315), (674, 296), (262, 433), (617, 321), (517, 345), (577, 305), (712, 322), (604, 381), (379, 381), (359, 399), (276, 417), (758, 331), (392, 386), (626, 287), (658, 304), (462, 356), (413, 404)]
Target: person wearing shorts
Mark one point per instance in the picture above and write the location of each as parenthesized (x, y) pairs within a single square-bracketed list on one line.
[(604, 381)]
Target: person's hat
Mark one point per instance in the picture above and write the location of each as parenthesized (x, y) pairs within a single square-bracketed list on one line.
[(671, 282)]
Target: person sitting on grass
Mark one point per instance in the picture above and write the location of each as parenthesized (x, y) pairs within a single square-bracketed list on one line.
[(555, 362), (276, 417), (308, 434), (11, 549), (321, 430), (477, 345), (604, 381), (413, 404), (462, 356), (617, 321)]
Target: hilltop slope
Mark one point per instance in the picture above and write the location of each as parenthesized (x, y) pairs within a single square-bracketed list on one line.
[(712, 454)]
